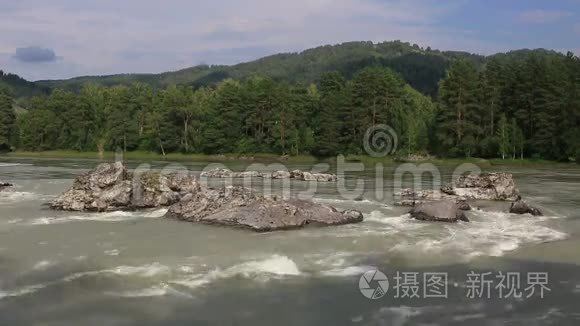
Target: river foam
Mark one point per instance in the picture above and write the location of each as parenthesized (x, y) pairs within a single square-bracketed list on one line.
[(98, 217), (275, 266), (10, 197), (488, 234)]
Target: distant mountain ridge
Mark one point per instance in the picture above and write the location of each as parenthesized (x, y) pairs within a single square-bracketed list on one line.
[(422, 68)]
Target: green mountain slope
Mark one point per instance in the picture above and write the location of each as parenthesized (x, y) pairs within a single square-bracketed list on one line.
[(19, 87), (422, 68)]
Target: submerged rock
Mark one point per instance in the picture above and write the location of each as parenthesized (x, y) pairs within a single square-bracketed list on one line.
[(5, 185), (240, 207), (438, 211), (111, 187), (521, 207)]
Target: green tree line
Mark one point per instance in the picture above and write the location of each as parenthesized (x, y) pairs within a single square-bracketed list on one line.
[(513, 106)]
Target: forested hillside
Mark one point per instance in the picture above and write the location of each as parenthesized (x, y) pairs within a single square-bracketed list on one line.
[(421, 68), (522, 104), (20, 87)]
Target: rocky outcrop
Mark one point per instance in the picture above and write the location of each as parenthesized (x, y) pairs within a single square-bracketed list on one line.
[(240, 207), (5, 186), (111, 187), (438, 211), (486, 186), (307, 176), (410, 198), (521, 207), (296, 175)]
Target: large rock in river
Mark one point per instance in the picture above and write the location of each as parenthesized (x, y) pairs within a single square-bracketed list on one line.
[(438, 211), (412, 198), (485, 186), (111, 187), (240, 207), (307, 176)]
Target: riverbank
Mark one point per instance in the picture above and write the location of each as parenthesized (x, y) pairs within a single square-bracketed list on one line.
[(140, 155), (265, 157)]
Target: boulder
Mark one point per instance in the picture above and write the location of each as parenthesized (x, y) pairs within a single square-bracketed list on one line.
[(486, 186), (307, 176), (240, 207), (5, 186), (111, 187), (521, 207), (438, 211), (410, 198), (280, 175), (153, 189)]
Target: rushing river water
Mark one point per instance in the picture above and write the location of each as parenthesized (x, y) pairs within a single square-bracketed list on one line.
[(136, 268)]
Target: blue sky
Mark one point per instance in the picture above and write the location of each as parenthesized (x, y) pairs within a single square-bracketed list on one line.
[(52, 39)]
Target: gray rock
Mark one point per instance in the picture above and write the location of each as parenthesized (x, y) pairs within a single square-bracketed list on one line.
[(217, 173), (307, 176), (438, 211), (111, 187), (410, 198), (240, 207), (521, 207), (5, 186), (487, 186), (247, 174), (296, 175), (280, 175)]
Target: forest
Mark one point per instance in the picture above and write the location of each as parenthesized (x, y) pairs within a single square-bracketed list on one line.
[(524, 104)]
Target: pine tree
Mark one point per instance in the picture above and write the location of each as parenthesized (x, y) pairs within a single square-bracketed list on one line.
[(459, 108), (7, 119), (332, 101)]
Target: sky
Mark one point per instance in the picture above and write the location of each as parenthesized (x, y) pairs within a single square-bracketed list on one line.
[(56, 39)]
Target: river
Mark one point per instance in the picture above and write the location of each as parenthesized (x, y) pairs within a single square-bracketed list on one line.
[(137, 268)]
